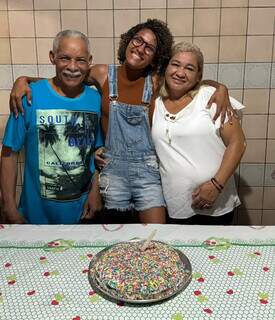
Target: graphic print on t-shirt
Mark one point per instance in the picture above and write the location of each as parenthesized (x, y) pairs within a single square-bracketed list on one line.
[(66, 145)]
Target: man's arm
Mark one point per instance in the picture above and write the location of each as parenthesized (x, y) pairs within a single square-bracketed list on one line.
[(94, 201), (8, 178)]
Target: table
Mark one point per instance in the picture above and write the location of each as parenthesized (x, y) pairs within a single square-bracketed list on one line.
[(43, 272)]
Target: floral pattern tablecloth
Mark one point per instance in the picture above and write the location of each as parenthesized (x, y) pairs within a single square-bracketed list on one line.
[(46, 277)]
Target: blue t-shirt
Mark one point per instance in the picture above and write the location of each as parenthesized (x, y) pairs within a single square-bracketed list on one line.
[(59, 135)]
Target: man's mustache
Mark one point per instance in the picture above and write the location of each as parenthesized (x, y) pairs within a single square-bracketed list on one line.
[(71, 74)]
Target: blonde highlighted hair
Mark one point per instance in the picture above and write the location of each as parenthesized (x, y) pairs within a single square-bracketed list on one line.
[(185, 47)]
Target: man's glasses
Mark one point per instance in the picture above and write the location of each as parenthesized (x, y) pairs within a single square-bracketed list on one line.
[(148, 48)]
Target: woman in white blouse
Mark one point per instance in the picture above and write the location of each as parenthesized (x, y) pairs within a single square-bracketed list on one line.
[(197, 157)]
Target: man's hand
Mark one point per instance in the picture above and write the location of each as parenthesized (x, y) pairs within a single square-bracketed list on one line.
[(20, 88), (221, 98), (204, 196), (92, 205)]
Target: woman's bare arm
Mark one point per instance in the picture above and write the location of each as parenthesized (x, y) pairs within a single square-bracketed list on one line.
[(21, 86), (98, 72), (20, 89), (233, 137)]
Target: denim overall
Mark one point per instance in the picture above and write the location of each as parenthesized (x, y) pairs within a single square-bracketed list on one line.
[(131, 178)]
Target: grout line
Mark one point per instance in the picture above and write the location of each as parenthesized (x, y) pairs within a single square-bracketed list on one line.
[(87, 21), (149, 8), (244, 73), (114, 33), (139, 11), (219, 46), (17, 162), (35, 40), (60, 16), (166, 12), (193, 23), (11, 56), (197, 35)]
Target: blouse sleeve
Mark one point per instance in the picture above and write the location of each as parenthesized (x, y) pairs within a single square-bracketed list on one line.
[(236, 105)]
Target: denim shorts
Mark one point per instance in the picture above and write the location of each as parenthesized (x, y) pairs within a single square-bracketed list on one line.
[(131, 184)]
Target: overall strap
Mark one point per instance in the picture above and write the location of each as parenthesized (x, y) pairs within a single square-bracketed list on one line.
[(112, 76), (148, 89)]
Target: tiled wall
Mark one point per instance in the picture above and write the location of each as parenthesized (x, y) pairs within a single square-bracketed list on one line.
[(236, 36)]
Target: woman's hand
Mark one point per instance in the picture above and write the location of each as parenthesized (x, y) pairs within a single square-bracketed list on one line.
[(204, 196), (221, 98), (20, 88)]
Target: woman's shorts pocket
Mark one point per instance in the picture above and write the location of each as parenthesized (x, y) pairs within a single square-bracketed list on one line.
[(151, 163), (108, 164), (104, 177), (103, 184)]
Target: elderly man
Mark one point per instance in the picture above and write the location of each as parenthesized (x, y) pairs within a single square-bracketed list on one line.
[(60, 133)]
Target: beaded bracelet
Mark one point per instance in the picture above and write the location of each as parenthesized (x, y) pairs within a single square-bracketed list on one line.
[(217, 185)]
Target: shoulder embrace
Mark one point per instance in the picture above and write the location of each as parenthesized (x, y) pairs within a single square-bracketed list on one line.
[(99, 72), (94, 94), (37, 88), (156, 80), (207, 90), (38, 84)]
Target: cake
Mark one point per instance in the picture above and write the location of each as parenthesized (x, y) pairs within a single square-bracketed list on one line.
[(127, 272)]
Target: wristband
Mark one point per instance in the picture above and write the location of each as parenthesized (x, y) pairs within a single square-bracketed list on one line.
[(218, 186)]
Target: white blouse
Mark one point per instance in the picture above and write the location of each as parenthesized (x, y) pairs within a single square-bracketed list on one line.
[(190, 151)]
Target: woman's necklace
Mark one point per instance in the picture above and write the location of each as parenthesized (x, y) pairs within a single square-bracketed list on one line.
[(173, 107)]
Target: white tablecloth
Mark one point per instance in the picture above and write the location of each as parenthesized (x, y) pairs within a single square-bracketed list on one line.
[(43, 272), (126, 232)]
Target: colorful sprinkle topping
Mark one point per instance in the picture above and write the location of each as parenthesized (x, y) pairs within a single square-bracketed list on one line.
[(126, 272)]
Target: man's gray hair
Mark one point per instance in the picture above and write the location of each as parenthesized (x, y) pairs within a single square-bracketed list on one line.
[(70, 34)]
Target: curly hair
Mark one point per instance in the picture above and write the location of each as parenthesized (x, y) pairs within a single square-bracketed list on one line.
[(164, 42)]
